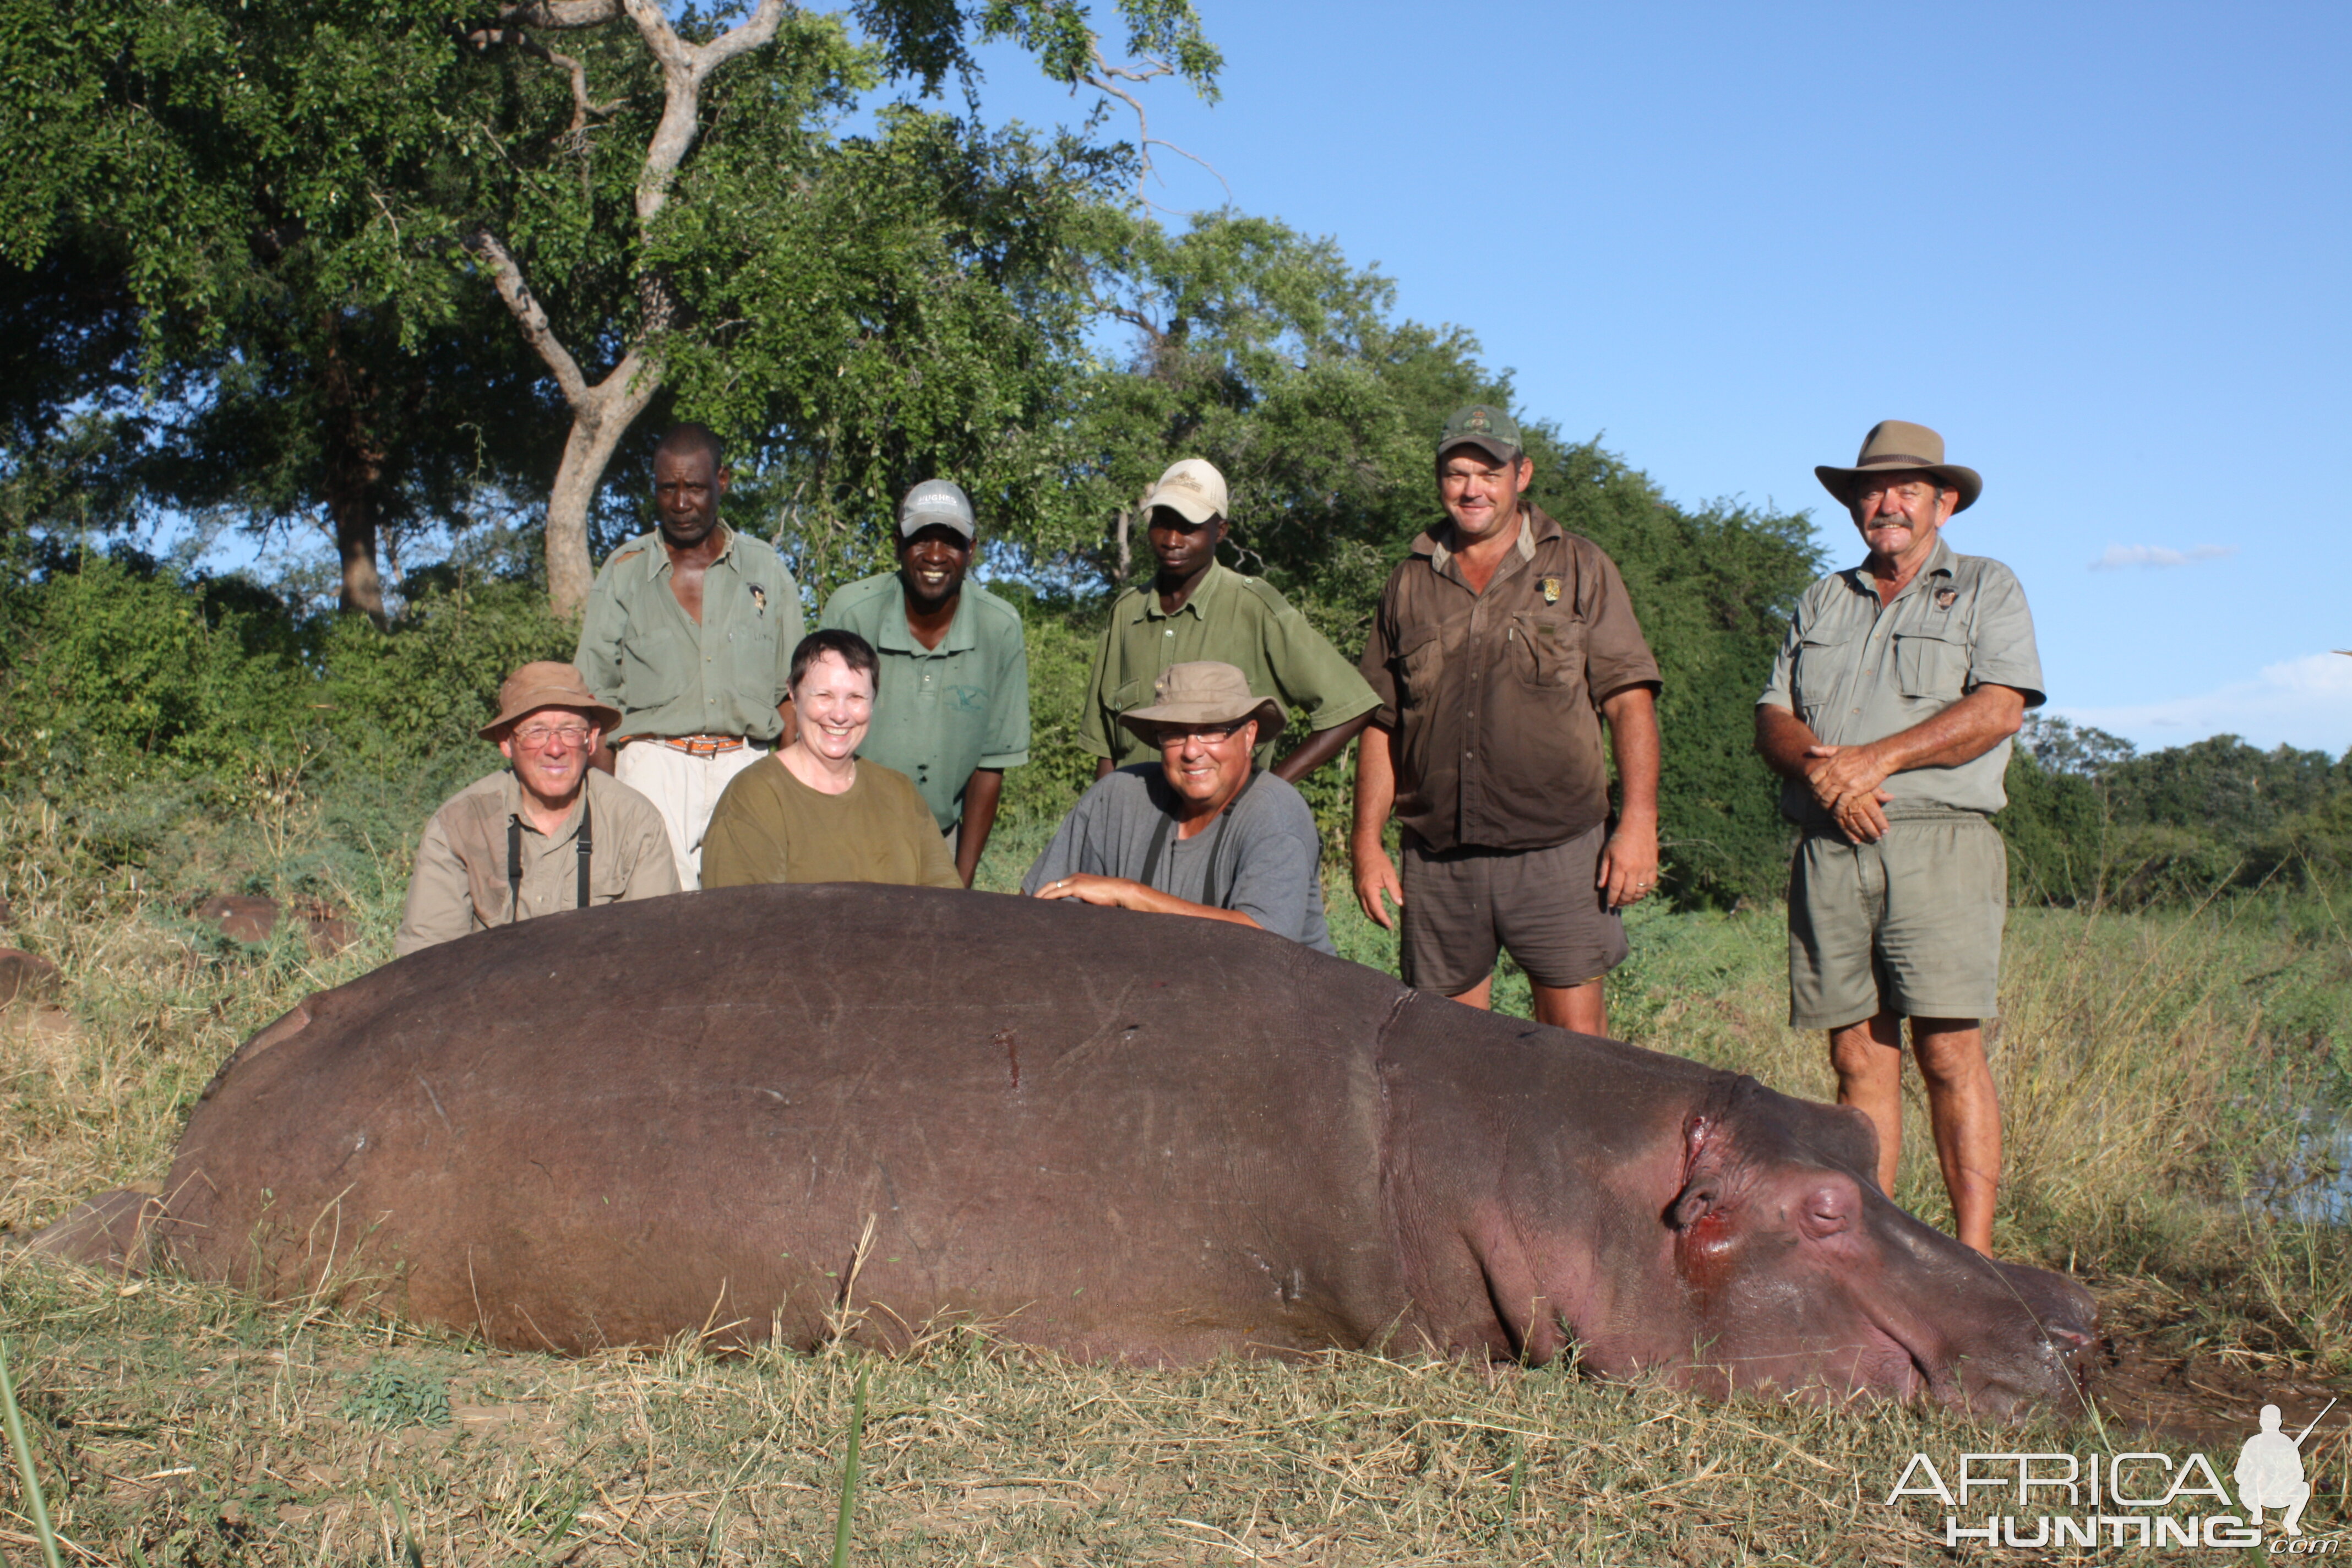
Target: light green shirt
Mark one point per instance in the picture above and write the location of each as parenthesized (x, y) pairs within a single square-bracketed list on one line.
[(644, 655), (1855, 670), (941, 713), (1242, 621)]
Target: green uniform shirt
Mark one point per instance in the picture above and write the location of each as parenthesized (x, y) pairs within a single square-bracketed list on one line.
[(941, 713), (644, 655), (1856, 671), (1242, 621)]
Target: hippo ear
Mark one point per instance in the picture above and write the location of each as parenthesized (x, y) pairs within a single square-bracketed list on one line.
[(1694, 1203)]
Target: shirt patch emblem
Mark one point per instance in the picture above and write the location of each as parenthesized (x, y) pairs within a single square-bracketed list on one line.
[(760, 598), (1947, 597), (1551, 590)]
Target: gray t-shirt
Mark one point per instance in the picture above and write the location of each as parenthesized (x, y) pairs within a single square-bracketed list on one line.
[(1265, 864), (1856, 671)]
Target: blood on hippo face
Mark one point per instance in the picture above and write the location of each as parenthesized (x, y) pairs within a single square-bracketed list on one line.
[(1801, 1274)]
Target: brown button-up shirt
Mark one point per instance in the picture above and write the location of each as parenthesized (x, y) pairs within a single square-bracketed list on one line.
[(1495, 697)]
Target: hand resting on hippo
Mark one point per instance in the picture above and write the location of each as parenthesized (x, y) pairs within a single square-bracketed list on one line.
[(1091, 1131)]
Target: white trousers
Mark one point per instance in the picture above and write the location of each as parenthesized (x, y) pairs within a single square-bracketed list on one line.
[(683, 789)]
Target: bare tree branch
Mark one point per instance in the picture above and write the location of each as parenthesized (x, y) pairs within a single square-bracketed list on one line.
[(508, 280), (582, 106), (683, 66), (1105, 79), (561, 14)]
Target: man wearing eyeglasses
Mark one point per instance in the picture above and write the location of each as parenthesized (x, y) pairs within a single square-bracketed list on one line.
[(1203, 831), (546, 835), (1501, 647)]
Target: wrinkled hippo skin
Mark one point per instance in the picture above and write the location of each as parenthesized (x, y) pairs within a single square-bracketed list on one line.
[(1108, 1133)]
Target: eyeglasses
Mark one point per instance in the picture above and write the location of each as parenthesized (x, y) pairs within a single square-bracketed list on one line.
[(1215, 734), (538, 737)]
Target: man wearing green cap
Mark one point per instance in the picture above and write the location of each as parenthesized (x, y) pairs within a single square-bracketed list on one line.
[(1889, 715), (1501, 647), (1194, 609), (951, 704)]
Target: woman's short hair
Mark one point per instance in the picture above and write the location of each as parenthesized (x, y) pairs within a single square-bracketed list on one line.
[(847, 647)]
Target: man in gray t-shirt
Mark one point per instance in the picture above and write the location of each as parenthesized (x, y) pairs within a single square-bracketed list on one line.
[(1201, 832)]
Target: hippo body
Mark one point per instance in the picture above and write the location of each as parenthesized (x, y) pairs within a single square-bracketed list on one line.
[(1106, 1134)]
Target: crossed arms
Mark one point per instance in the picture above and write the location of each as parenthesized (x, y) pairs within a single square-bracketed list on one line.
[(1845, 779)]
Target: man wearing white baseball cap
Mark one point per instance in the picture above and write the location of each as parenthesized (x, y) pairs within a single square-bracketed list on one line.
[(1194, 609)]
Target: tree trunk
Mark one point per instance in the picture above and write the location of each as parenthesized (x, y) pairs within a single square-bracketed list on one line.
[(1126, 558), (600, 417), (354, 477)]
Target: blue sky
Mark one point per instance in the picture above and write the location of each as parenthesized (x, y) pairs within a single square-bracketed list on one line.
[(2103, 248)]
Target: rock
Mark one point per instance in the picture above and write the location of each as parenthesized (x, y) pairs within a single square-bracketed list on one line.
[(240, 918), (26, 977)]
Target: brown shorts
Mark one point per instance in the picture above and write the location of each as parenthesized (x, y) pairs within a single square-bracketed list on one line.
[(1463, 906)]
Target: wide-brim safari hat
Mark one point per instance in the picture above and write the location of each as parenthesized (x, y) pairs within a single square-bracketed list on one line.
[(1204, 692), (546, 684), (1897, 444)]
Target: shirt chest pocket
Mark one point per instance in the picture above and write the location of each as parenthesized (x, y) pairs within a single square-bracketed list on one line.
[(1419, 666), (1823, 660), (1545, 651), (1929, 667)]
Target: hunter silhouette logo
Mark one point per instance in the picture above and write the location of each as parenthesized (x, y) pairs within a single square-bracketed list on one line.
[(2269, 1472)]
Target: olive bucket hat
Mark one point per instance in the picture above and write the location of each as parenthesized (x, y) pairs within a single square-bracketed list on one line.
[(1204, 692), (547, 683), (1894, 444)]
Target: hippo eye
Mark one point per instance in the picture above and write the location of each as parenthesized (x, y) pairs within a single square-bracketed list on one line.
[(1698, 1201)]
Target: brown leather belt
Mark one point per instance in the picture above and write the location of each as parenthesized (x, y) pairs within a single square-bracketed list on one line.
[(700, 745)]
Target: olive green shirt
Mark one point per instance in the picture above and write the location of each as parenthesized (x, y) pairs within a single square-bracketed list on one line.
[(645, 655), (1856, 671), (1242, 621), (941, 712), (460, 882), (769, 828)]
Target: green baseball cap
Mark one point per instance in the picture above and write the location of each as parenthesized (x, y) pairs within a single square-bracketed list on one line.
[(1481, 426)]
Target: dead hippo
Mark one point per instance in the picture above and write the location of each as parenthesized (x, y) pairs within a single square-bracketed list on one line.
[(1106, 1134)]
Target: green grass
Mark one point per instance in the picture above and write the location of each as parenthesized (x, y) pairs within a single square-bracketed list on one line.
[(2148, 1066)]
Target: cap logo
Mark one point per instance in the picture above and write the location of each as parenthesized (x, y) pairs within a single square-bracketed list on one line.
[(1180, 482)]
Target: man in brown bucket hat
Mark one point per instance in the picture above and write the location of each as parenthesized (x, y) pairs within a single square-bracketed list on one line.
[(1889, 715), (1203, 831), (549, 833)]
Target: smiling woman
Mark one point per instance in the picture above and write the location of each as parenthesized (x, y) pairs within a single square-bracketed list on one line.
[(816, 812)]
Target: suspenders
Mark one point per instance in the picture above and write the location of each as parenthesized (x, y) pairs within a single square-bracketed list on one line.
[(514, 861)]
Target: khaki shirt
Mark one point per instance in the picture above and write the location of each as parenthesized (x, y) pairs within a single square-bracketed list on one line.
[(1856, 671), (1242, 621), (1495, 697), (769, 828), (645, 655), (941, 712), (461, 882)]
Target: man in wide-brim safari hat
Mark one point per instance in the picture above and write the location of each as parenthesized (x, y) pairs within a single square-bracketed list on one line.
[(1889, 715), (546, 834), (1203, 831)]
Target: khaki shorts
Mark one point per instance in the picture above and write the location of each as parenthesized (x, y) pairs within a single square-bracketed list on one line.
[(1909, 925), (1463, 906)]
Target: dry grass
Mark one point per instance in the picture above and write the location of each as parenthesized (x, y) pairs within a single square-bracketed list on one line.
[(187, 1425)]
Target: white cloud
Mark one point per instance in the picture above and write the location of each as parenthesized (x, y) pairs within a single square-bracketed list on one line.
[(2304, 702), (2121, 555)]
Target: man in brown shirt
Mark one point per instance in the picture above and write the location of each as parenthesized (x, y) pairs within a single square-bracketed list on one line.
[(1501, 645)]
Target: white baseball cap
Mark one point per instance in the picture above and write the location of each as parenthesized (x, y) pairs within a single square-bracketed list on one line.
[(1193, 488), (938, 501)]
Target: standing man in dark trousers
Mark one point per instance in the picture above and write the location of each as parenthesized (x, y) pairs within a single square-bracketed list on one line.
[(951, 703), (1889, 715), (1194, 610), (689, 633), (1501, 647)]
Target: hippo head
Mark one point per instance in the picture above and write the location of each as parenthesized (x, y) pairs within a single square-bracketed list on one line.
[(1799, 1273)]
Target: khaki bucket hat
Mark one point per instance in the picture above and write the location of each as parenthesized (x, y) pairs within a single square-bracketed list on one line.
[(1193, 488), (1204, 692), (546, 684), (1899, 444)]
